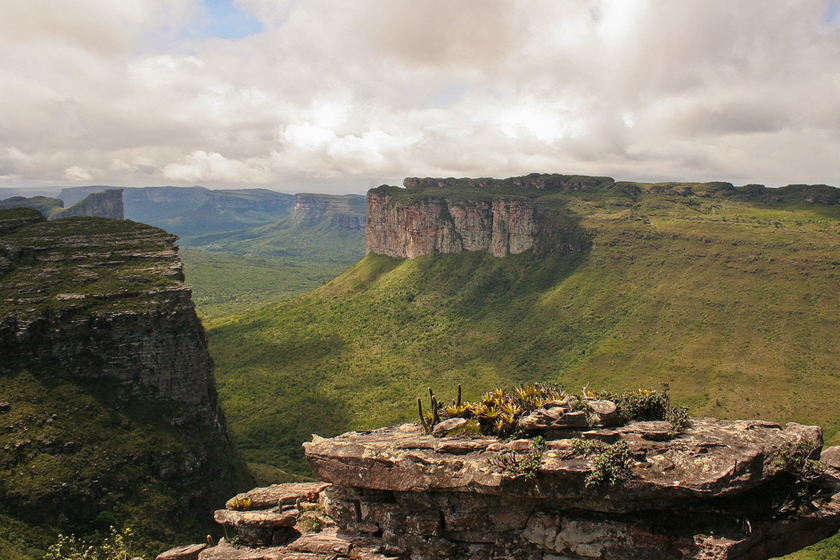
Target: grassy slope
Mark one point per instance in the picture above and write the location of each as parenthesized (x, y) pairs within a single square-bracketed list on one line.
[(731, 303), (224, 284), (81, 457), (319, 242)]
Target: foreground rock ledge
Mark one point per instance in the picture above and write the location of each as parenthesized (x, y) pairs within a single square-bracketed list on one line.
[(713, 492)]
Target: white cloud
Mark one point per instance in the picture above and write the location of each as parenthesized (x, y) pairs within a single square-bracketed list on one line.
[(76, 173), (368, 91)]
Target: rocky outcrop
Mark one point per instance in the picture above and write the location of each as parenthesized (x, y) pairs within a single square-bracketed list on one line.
[(347, 211), (104, 299), (106, 204), (720, 490), (110, 401), (499, 225)]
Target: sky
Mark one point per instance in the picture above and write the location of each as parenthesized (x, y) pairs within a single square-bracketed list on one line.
[(341, 96)]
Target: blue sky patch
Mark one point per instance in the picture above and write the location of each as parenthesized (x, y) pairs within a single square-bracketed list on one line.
[(226, 20), (832, 12)]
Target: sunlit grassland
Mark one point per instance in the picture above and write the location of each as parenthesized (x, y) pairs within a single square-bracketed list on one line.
[(225, 284), (732, 304)]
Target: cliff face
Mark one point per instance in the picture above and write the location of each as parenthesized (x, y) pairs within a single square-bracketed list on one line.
[(343, 211), (110, 405), (248, 199), (106, 204), (105, 299), (500, 225)]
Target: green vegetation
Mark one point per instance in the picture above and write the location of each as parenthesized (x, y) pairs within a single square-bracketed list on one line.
[(117, 546), (611, 461), (44, 204), (649, 404), (307, 235), (81, 457), (526, 465), (732, 303), (224, 284), (82, 264), (499, 411)]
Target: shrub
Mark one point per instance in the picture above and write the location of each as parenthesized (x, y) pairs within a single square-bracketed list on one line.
[(611, 461), (115, 547)]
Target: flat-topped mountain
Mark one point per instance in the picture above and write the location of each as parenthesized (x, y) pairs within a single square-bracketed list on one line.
[(104, 204), (321, 228), (514, 215)]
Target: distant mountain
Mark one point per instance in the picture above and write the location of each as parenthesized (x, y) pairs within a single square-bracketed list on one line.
[(43, 204), (105, 204), (323, 228), (190, 211)]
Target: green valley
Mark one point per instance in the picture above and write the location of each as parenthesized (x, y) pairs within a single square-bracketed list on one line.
[(729, 299)]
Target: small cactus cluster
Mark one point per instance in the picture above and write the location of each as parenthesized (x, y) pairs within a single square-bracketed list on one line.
[(498, 411)]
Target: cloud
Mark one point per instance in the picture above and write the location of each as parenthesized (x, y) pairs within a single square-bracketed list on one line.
[(371, 91), (76, 173)]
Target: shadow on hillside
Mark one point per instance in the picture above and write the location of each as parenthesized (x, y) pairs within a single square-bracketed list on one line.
[(259, 368)]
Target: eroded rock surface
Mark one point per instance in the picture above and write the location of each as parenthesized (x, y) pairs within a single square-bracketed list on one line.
[(102, 299), (718, 491)]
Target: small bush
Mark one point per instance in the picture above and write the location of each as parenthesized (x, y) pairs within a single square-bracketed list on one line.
[(527, 465), (115, 547), (611, 462)]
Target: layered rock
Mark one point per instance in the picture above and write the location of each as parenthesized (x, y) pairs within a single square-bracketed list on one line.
[(344, 211), (103, 299), (719, 490), (499, 225), (109, 407), (106, 204)]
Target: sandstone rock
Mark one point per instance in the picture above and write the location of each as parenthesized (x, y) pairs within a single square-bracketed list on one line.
[(447, 426), (277, 494), (604, 413), (265, 519), (700, 496), (831, 457), (553, 418), (712, 458), (334, 209), (143, 332), (188, 552), (107, 204)]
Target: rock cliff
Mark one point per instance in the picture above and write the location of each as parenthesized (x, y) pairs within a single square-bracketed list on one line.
[(110, 413), (404, 224), (106, 204), (720, 490), (248, 199), (104, 299), (344, 211)]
